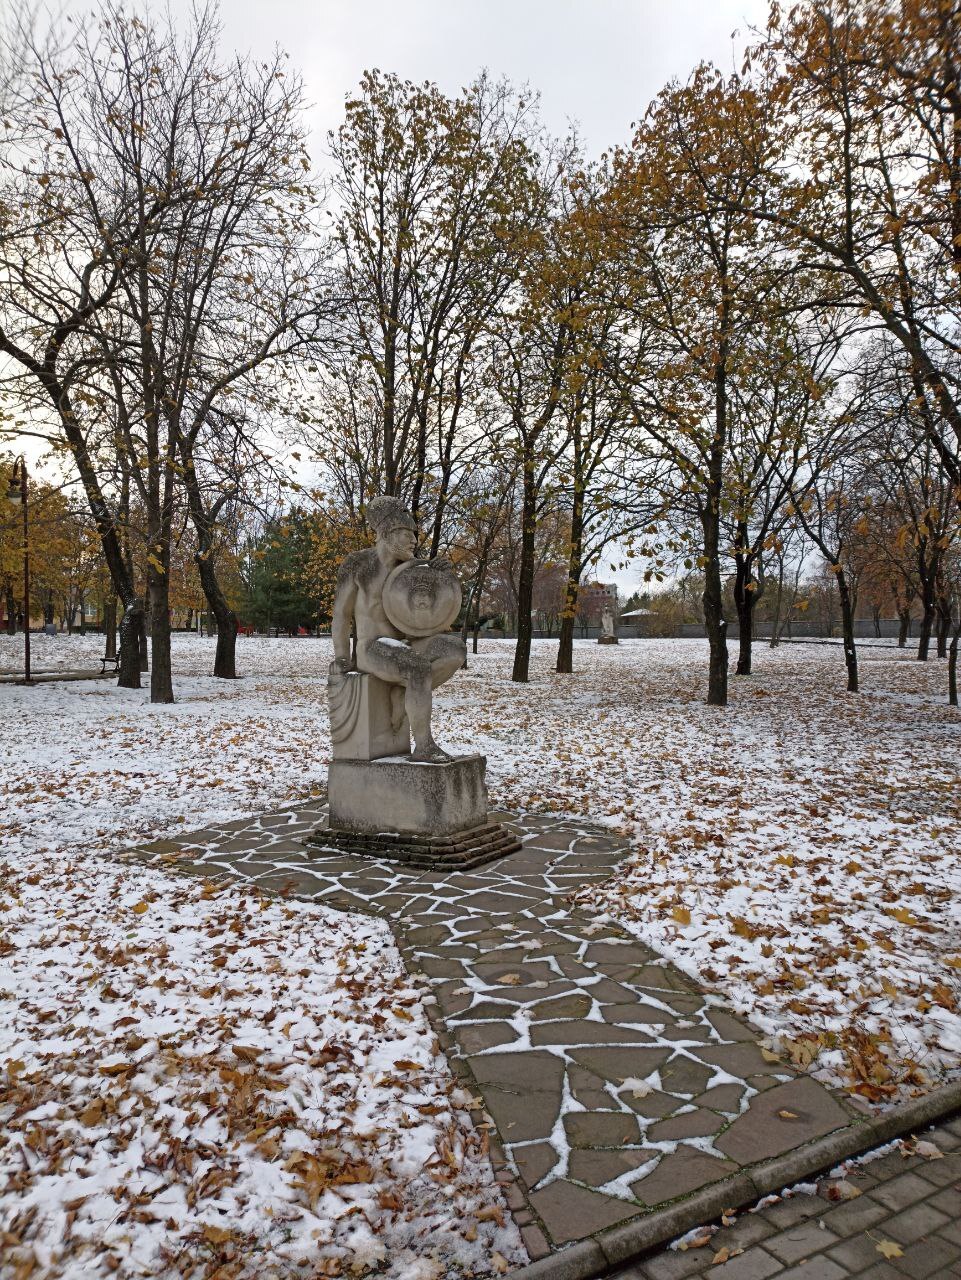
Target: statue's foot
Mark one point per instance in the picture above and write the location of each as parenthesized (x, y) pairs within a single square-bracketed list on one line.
[(397, 707), (430, 753)]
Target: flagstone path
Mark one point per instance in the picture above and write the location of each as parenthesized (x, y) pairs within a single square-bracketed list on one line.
[(616, 1085)]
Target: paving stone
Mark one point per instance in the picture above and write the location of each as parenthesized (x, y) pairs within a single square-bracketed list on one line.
[(948, 1200), (679, 1173), (653, 1106), (672, 1264), (916, 1223), (483, 1010), (757, 1264), (930, 1256), (588, 1089), (607, 992), (821, 1268), (793, 1209), (855, 1215), (685, 1076), (858, 1252), (619, 1063), (901, 1191), (535, 1161), (800, 1241), (742, 1060), (723, 1097), (522, 1092), (599, 1167), (630, 1014), (730, 1027), (750, 1228), (535, 1242), (572, 1006), (940, 1173), (601, 1129), (570, 1212), (618, 952), (762, 1132), (952, 1232), (690, 1124), (581, 1032), (473, 1039)]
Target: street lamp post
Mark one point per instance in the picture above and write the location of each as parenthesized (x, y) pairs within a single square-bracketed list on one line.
[(17, 496)]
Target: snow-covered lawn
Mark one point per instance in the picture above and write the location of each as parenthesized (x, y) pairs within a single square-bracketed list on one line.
[(200, 1082), (799, 851), (264, 1069)]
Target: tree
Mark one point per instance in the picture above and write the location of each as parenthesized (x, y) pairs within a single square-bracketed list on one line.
[(436, 198), (868, 190), (174, 190), (698, 282)]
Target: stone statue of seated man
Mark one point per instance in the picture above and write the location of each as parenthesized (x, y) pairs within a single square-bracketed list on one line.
[(403, 656)]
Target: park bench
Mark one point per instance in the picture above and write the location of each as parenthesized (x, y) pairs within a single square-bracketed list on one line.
[(105, 659)]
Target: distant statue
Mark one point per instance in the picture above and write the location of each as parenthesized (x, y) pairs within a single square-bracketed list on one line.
[(607, 635), (402, 609)]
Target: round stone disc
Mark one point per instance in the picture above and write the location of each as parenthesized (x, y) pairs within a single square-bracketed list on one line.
[(420, 600)]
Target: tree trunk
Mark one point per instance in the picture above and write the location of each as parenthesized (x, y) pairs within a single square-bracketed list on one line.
[(944, 626), (225, 661), (713, 601), (11, 608), (83, 615), (110, 629), (525, 583), (904, 626), (924, 634), (876, 615), (744, 601), (565, 644), (161, 682), (847, 628), (142, 650), (953, 668), (131, 634)]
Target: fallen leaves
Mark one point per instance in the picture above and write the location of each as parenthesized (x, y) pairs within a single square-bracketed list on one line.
[(889, 1249)]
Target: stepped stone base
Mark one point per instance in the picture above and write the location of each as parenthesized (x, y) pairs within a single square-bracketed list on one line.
[(607, 639), (458, 851), (425, 815)]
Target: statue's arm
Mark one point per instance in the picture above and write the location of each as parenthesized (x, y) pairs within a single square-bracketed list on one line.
[(344, 602)]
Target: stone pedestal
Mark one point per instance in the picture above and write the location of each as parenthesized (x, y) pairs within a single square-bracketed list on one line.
[(607, 639), (426, 815)]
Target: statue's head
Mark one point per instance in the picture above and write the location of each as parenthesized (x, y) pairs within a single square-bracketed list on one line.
[(394, 526)]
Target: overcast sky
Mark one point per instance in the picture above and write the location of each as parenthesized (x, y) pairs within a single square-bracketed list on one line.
[(596, 62)]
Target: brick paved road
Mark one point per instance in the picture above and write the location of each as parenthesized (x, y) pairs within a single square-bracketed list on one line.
[(912, 1203)]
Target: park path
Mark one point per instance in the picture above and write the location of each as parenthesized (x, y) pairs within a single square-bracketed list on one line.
[(614, 1083)]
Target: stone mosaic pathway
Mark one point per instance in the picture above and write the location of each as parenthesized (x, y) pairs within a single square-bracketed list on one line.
[(615, 1084)]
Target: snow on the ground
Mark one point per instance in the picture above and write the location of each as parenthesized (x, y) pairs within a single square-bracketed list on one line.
[(799, 851), (197, 1080)]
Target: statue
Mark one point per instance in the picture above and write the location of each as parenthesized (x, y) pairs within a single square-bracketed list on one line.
[(421, 807), (400, 607), (607, 635)]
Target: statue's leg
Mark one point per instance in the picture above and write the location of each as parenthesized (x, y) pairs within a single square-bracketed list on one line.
[(401, 665), (446, 655)]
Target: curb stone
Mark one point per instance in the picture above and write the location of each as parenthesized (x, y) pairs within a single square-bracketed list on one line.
[(598, 1256)]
